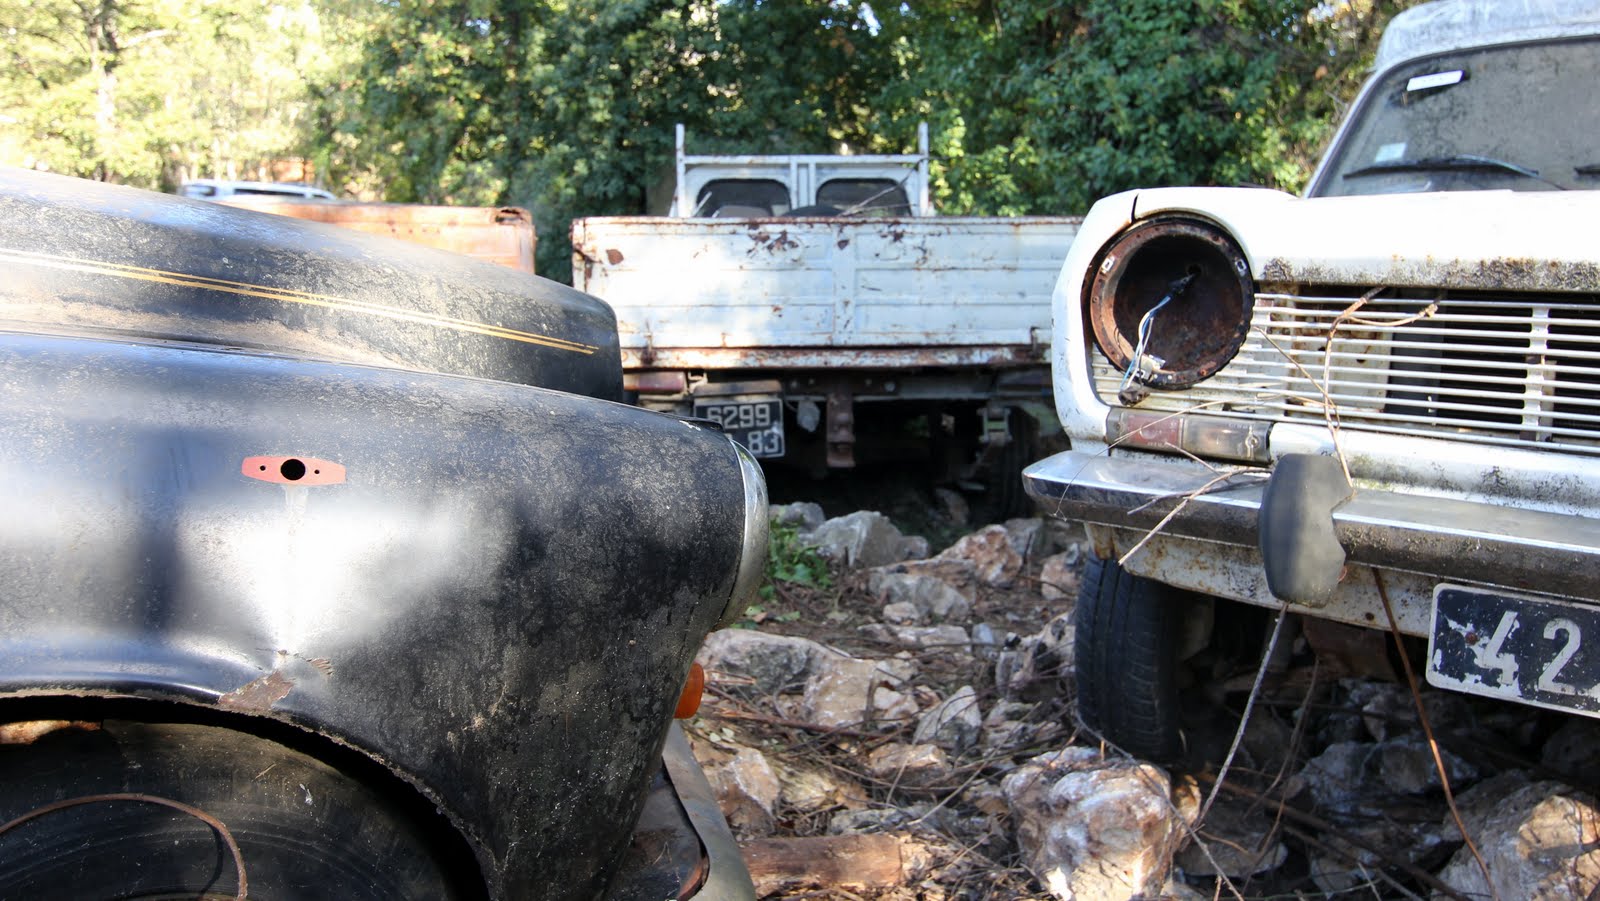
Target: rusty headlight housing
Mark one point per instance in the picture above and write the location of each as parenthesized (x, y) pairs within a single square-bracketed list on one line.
[(1172, 298)]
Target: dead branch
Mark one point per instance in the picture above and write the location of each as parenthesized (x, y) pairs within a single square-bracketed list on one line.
[(1427, 730), (1319, 824)]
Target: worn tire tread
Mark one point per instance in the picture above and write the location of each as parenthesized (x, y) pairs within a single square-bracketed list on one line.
[(1126, 632)]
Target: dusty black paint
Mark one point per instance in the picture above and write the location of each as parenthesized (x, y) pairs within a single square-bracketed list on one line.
[(135, 255), (498, 604)]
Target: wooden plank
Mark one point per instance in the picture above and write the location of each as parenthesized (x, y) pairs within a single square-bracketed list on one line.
[(849, 862)]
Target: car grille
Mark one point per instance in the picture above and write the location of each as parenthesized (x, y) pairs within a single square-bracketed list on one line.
[(1505, 370)]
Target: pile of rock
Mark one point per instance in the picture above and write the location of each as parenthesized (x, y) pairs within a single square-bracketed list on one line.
[(952, 745)]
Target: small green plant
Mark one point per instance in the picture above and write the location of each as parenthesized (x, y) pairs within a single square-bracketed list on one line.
[(788, 560)]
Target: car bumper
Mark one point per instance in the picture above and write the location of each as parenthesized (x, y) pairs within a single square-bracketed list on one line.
[(682, 847), (1464, 541)]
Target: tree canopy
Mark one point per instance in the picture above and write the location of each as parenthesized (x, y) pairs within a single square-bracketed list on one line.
[(568, 106)]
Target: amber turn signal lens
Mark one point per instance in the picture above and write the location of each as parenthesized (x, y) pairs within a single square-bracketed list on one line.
[(689, 701)]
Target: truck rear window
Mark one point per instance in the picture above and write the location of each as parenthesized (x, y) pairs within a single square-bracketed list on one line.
[(865, 196), (742, 198)]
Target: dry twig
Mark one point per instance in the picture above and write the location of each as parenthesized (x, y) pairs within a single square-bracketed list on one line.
[(1427, 729)]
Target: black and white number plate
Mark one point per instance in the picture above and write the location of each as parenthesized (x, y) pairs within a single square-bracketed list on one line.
[(758, 425), (1531, 650)]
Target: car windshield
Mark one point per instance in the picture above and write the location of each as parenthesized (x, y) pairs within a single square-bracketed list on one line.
[(1524, 117)]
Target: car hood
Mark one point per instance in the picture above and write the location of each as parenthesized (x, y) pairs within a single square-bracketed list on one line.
[(1490, 240)]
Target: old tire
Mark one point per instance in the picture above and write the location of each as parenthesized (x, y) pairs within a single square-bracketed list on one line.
[(1126, 646), (304, 829), (1010, 499)]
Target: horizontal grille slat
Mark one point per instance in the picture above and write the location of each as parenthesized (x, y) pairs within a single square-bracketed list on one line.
[(1514, 370)]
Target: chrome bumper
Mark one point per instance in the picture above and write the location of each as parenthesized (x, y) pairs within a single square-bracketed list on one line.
[(1458, 540)]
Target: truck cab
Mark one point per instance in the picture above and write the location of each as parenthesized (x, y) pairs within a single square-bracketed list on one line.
[(734, 186)]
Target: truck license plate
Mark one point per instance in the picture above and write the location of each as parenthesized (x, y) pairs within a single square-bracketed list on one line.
[(758, 425), (1531, 650)]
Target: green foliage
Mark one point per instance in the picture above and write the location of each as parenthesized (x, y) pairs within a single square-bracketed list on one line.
[(790, 561), (567, 106), (150, 92), (1045, 107)]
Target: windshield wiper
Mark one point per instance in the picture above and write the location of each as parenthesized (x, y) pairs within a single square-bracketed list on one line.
[(1591, 169), (1463, 162)]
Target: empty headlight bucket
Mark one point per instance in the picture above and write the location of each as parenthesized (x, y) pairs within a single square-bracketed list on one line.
[(1188, 285)]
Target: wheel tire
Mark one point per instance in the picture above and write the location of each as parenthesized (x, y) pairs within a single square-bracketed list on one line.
[(1011, 500), (1126, 644), (304, 829)]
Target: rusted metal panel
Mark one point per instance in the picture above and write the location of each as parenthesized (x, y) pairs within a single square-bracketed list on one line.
[(1234, 571), (1000, 357), (825, 291), (503, 235)]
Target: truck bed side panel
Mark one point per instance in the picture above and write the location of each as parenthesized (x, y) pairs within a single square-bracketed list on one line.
[(705, 284)]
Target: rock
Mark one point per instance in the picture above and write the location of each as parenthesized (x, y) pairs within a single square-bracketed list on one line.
[(935, 599), (839, 692), (1389, 711), (747, 790), (1058, 578), (904, 613), (1406, 766), (861, 539), (810, 789), (1337, 778), (1357, 777), (994, 561), (1234, 841), (1026, 536), (915, 547), (1009, 724), (1339, 867), (892, 707), (954, 724), (873, 820), (1265, 738), (984, 643), (774, 662), (1063, 537), (1573, 747), (952, 506), (987, 798), (1541, 842), (909, 765), (955, 572), (1034, 668), (804, 516), (952, 639), (1092, 828)]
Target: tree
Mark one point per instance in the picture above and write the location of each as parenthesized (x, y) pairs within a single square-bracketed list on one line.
[(150, 92), (568, 106), (1042, 107)]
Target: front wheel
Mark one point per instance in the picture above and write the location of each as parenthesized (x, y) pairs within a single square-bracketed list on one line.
[(302, 829), (1126, 631)]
